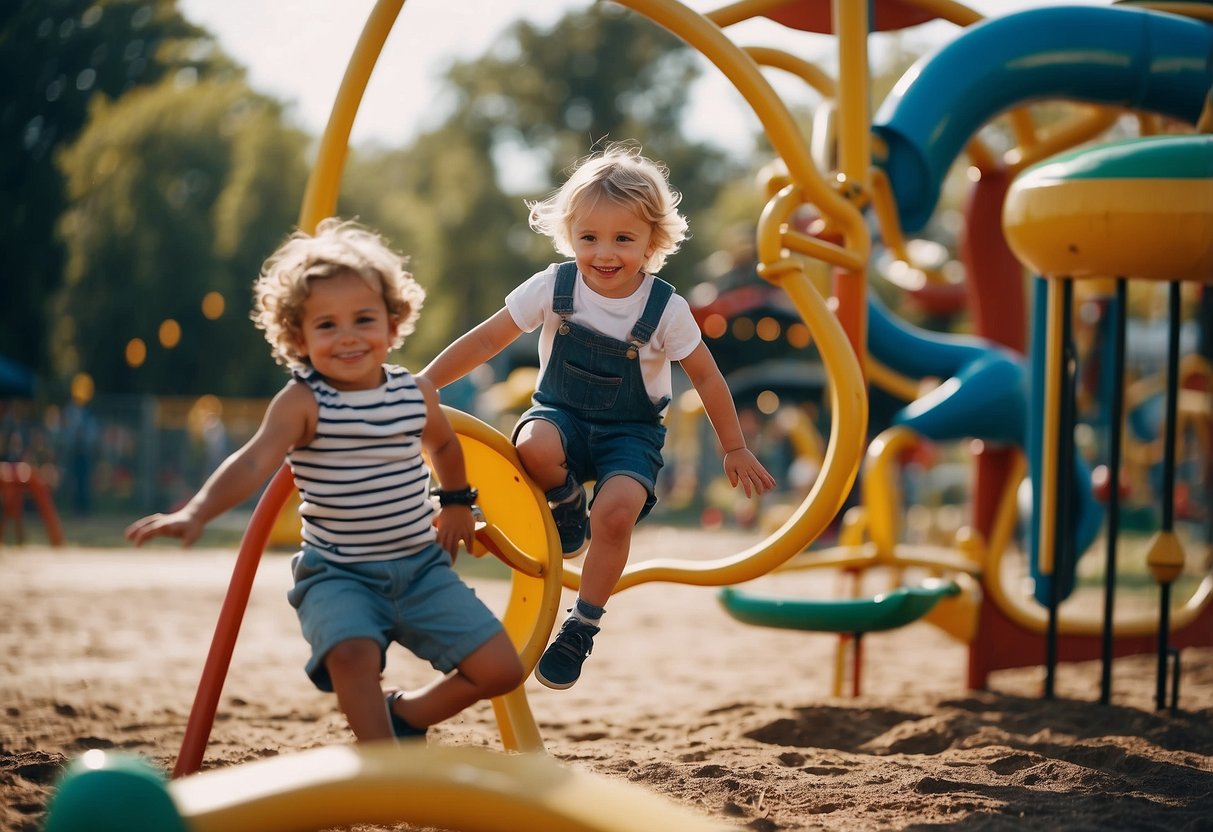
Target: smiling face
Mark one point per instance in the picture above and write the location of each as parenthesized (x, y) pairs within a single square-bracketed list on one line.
[(345, 331), (610, 243)]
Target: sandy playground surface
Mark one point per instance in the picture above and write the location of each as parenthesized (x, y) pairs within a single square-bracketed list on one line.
[(103, 649)]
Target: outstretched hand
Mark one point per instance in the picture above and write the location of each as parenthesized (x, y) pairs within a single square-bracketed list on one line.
[(744, 469), (179, 524)]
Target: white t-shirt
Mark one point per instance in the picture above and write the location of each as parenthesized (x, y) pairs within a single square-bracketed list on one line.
[(676, 336)]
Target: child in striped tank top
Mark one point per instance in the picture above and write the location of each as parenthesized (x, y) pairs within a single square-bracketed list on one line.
[(376, 564)]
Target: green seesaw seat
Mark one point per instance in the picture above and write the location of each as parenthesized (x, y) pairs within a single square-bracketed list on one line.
[(849, 618)]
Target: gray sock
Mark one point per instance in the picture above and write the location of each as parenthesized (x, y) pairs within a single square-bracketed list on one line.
[(588, 613)]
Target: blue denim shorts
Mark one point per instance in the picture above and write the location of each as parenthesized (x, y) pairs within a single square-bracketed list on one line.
[(418, 601), (601, 450)]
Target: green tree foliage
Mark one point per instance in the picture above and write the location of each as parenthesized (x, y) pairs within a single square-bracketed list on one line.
[(56, 56), (439, 202), (177, 191)]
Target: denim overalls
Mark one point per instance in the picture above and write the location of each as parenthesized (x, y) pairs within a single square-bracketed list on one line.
[(593, 392)]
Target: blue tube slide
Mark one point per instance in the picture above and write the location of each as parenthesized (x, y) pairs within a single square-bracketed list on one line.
[(1117, 56), (984, 395), (916, 352)]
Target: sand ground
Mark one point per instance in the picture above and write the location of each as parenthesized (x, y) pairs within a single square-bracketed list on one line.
[(102, 648)]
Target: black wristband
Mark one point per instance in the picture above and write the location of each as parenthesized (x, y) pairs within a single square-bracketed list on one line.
[(463, 497)]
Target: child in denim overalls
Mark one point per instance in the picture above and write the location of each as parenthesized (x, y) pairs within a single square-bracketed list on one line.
[(610, 330)]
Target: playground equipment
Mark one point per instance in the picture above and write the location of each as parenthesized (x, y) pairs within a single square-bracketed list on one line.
[(1154, 62), (517, 526), (452, 788), (19, 480), (850, 618)]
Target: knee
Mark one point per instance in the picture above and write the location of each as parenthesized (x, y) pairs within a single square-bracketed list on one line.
[(496, 672), (358, 655), (613, 516), (506, 676), (537, 455)]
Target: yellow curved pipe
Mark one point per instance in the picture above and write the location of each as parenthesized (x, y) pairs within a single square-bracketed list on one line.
[(320, 195), (807, 71), (891, 381), (881, 488), (849, 406), (778, 124)]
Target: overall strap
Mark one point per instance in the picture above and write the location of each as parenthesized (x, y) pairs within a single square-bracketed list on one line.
[(562, 296), (659, 296)]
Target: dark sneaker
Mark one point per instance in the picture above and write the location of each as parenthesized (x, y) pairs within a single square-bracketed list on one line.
[(400, 727), (573, 523), (560, 666)]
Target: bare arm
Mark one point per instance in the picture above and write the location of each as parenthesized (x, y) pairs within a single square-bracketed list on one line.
[(455, 523), (740, 464), (289, 420), (472, 349)]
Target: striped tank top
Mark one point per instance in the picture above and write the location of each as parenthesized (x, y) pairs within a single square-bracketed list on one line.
[(363, 484)]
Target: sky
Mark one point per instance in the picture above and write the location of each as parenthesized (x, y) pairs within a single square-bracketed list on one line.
[(297, 51)]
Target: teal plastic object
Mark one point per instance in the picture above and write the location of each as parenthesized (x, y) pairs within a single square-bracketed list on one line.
[(1127, 57), (1149, 157), (888, 611), (104, 791)]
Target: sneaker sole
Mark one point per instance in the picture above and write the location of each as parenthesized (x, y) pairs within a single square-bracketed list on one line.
[(578, 552), (548, 683)]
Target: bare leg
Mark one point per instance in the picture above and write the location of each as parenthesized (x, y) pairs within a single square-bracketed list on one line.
[(616, 507), (542, 454), (354, 668), (493, 669)]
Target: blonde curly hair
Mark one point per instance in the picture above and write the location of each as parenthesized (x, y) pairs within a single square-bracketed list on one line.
[(338, 246), (621, 174)]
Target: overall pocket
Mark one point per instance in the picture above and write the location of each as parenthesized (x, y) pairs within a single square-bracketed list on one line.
[(585, 390)]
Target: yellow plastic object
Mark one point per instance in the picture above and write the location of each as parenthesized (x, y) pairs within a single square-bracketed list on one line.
[(1099, 228), (450, 788), (1135, 209), (519, 529), (1166, 557)]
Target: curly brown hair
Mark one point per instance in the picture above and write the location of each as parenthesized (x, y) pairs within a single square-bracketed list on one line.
[(337, 246)]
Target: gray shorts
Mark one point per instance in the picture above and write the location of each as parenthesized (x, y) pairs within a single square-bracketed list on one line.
[(418, 601)]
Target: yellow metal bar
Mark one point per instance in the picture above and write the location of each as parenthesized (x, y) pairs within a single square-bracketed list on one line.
[(881, 487), (807, 71), (980, 155), (950, 11), (854, 158), (1051, 427), (744, 10), (1082, 126), (773, 234), (891, 381), (320, 196), (854, 113)]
